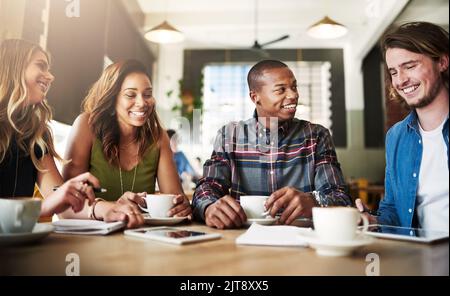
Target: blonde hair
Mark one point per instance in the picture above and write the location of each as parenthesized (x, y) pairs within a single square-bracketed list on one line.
[(100, 104), (25, 123)]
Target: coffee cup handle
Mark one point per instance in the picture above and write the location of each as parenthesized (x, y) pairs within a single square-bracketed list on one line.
[(19, 212), (365, 223), (142, 208)]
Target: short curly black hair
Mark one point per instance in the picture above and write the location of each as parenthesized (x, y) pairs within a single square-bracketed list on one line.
[(257, 70)]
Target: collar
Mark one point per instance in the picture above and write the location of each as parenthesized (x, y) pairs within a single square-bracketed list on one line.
[(412, 121), (283, 128)]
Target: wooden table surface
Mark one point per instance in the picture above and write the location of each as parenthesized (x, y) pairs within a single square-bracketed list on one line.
[(117, 254)]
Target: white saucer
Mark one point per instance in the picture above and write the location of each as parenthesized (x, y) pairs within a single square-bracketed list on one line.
[(261, 221), (343, 248), (162, 221), (40, 231)]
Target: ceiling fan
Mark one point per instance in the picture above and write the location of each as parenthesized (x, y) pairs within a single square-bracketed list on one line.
[(260, 46)]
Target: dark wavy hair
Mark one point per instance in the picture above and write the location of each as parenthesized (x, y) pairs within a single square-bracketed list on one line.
[(418, 37), (100, 104)]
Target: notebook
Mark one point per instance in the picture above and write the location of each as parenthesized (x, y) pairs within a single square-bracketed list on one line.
[(86, 227), (272, 236)]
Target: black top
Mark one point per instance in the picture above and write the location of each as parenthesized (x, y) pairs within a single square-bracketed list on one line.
[(26, 173)]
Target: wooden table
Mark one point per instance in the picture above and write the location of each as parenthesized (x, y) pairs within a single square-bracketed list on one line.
[(117, 254)]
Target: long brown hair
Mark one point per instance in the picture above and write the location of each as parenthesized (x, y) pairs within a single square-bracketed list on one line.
[(26, 123), (100, 104), (418, 37)]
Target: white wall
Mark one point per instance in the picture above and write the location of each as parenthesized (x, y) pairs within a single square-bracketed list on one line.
[(167, 73), (11, 18)]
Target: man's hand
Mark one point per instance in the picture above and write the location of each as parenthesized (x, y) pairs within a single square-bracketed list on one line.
[(365, 211), (294, 202), (225, 213)]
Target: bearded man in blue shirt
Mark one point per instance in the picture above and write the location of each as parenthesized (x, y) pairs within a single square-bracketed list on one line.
[(417, 157)]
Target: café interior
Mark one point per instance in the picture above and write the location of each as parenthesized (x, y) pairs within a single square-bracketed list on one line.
[(199, 64)]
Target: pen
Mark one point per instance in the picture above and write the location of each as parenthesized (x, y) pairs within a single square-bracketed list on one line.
[(96, 189)]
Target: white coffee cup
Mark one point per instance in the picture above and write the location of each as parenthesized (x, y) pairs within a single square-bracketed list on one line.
[(158, 204), (337, 224), (254, 206), (19, 215)]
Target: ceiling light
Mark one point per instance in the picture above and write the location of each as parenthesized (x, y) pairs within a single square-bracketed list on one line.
[(326, 28), (164, 33)]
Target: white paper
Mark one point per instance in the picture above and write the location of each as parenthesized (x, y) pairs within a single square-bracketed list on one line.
[(272, 236), (86, 227)]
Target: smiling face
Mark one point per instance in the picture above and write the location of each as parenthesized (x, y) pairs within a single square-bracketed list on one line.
[(416, 77), (135, 101), (277, 94), (38, 78)]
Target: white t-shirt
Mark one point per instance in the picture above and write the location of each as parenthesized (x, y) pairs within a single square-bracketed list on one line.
[(433, 194)]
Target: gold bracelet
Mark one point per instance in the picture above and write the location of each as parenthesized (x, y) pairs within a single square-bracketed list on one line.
[(92, 211)]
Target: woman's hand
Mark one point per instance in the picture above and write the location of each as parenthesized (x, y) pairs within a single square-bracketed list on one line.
[(72, 194), (121, 210), (181, 208), (135, 198)]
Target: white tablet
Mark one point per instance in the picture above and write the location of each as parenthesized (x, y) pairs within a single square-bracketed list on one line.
[(172, 235), (406, 233)]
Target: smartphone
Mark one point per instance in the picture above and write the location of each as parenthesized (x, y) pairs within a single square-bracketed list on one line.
[(172, 235)]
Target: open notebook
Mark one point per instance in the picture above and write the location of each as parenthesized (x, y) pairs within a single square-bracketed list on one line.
[(272, 236), (86, 227)]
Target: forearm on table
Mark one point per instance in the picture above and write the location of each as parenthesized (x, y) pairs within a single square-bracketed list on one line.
[(206, 194)]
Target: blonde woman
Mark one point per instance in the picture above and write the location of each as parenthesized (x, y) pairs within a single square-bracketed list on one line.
[(26, 144), (119, 139)]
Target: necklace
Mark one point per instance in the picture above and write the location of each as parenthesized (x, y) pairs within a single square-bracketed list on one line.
[(134, 178), (120, 176)]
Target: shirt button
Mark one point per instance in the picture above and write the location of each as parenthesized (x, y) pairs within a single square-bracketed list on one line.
[(414, 175), (410, 210), (420, 141)]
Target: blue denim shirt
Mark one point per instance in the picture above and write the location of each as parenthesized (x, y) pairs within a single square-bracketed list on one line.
[(403, 158)]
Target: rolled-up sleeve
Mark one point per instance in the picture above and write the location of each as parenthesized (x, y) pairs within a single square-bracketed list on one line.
[(216, 180), (328, 179)]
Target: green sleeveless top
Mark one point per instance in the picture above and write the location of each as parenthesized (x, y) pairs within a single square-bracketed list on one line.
[(109, 176)]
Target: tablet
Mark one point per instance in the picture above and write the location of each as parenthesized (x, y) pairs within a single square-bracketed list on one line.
[(406, 233), (172, 235)]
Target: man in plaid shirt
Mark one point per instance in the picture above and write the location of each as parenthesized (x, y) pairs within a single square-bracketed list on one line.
[(274, 154)]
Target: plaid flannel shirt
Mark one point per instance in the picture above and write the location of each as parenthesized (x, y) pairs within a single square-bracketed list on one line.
[(249, 159)]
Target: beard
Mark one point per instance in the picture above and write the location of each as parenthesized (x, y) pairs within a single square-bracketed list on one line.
[(429, 97)]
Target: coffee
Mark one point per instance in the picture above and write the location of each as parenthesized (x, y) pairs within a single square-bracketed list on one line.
[(19, 215), (158, 205), (254, 206), (337, 224)]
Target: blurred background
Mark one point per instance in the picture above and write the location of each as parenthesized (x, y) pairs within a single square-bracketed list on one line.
[(200, 78)]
